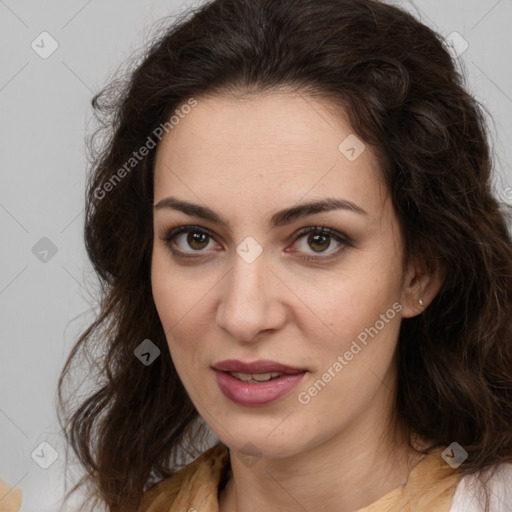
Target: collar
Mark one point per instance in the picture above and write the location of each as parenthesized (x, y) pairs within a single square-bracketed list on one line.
[(430, 486)]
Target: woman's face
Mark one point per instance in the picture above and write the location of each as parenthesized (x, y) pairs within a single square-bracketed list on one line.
[(248, 283)]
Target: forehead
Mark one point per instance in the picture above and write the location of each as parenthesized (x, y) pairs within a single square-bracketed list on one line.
[(282, 145)]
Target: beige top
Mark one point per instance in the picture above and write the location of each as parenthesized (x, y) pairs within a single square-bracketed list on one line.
[(430, 487), (10, 498)]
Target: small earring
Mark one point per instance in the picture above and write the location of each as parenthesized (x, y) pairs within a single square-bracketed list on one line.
[(421, 301)]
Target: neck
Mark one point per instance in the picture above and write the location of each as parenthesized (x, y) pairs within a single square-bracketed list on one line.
[(345, 473)]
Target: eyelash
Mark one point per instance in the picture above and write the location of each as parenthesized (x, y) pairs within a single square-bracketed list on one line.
[(338, 237)]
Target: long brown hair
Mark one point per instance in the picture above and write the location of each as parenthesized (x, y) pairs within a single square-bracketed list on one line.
[(404, 96)]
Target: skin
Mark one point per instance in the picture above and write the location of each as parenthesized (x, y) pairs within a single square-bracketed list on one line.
[(247, 157)]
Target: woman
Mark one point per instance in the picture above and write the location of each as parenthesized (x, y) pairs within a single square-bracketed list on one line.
[(293, 226)]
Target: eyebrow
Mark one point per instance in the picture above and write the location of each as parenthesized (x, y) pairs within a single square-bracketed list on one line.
[(281, 218)]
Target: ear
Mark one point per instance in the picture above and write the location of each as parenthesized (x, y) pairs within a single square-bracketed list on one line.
[(422, 283)]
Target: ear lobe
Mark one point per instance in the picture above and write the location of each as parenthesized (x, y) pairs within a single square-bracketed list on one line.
[(420, 287)]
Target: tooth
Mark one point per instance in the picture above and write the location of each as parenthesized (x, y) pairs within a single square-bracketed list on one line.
[(271, 375), (243, 376), (261, 377), (255, 377)]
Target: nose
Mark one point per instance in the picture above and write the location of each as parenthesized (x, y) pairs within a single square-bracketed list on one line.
[(250, 300)]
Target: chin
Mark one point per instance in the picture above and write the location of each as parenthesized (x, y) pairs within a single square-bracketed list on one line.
[(257, 444)]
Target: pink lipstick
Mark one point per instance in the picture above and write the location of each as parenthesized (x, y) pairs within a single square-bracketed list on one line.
[(256, 383)]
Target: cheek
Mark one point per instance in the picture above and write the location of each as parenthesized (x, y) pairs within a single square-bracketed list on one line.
[(341, 306), (357, 351), (181, 306), (161, 290), (364, 321), (174, 295)]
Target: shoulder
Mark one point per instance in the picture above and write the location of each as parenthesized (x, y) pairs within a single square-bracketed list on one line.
[(195, 485), (10, 498), (469, 496)]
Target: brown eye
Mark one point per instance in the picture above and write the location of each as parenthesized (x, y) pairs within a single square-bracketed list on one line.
[(197, 240), (187, 239), (321, 242)]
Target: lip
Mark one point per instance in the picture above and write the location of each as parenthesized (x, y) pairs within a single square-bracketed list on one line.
[(260, 366), (254, 395)]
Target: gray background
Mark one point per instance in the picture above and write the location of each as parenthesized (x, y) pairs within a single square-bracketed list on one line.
[(45, 117)]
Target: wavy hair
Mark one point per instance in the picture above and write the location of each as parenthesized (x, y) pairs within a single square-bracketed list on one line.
[(404, 96)]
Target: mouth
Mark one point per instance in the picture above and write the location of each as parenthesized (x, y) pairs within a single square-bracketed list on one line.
[(257, 383)]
